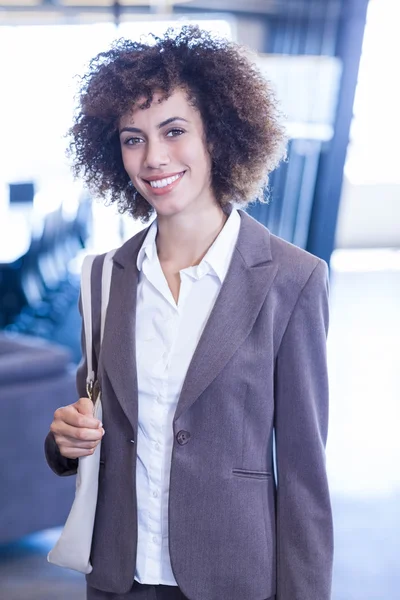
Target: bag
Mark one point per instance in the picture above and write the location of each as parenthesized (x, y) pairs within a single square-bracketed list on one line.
[(73, 548)]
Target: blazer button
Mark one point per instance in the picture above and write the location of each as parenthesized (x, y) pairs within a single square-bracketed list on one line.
[(182, 437)]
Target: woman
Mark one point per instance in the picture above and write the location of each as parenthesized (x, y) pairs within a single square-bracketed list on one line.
[(214, 340)]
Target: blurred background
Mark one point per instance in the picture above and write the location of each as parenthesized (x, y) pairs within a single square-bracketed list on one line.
[(334, 64)]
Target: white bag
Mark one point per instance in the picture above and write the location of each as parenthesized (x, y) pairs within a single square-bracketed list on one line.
[(72, 550)]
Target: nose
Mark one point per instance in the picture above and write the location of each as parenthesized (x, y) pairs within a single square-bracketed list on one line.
[(156, 155)]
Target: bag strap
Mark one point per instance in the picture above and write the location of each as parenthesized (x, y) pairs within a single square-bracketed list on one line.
[(86, 295), (105, 289)]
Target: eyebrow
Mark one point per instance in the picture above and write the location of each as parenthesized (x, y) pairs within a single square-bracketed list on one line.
[(159, 126)]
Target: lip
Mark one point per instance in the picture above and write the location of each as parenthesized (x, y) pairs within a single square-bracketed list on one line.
[(162, 176), (167, 188)]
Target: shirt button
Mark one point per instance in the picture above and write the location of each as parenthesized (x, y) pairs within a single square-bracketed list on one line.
[(155, 539), (157, 446), (155, 494)]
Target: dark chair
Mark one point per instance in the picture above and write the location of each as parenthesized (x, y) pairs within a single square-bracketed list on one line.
[(36, 377)]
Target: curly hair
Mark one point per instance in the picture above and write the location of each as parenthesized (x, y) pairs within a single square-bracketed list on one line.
[(239, 112)]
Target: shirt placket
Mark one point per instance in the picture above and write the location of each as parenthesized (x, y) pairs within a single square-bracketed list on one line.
[(159, 423)]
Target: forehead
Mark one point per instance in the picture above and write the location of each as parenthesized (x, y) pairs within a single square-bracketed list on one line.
[(176, 105)]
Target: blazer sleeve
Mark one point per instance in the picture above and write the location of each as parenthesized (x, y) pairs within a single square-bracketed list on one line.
[(60, 464), (304, 518)]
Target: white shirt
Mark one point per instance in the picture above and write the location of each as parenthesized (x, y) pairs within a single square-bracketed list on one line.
[(166, 337)]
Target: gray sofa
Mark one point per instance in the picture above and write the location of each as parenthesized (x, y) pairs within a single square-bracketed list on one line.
[(36, 377)]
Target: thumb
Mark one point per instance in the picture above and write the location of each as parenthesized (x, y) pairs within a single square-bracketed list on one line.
[(85, 406)]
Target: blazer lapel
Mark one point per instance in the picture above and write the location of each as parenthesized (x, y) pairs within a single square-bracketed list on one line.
[(242, 294), (118, 353)]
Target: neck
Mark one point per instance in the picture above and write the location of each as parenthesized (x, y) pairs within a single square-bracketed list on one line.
[(184, 239)]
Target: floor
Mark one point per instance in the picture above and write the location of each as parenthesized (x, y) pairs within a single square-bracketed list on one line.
[(363, 453), (26, 575)]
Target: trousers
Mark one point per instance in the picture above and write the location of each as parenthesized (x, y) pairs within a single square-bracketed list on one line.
[(140, 591)]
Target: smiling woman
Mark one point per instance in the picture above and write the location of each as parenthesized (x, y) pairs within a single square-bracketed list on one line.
[(214, 340)]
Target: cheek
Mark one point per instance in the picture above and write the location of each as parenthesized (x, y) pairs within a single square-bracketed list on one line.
[(130, 162), (197, 157)]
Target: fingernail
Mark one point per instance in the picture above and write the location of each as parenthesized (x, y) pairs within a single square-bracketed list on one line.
[(100, 424), (103, 432)]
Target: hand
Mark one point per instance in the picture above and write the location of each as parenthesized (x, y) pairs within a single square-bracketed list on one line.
[(76, 431)]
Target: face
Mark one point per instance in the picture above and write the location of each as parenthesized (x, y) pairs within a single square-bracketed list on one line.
[(164, 153)]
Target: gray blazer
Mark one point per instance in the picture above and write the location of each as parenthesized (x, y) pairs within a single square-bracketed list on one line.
[(258, 377)]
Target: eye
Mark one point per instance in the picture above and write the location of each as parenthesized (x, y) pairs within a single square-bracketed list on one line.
[(175, 132), (132, 141)]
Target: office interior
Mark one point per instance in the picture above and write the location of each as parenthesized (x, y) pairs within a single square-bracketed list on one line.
[(334, 66)]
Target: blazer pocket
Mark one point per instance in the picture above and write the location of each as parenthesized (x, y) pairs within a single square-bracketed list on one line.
[(251, 474)]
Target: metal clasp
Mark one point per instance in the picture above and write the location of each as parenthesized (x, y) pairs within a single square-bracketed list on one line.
[(89, 389)]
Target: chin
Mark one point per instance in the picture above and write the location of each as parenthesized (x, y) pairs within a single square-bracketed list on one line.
[(168, 208), (167, 212)]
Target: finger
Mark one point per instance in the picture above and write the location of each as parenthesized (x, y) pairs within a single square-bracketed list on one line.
[(64, 442), (76, 452), (71, 416), (84, 434)]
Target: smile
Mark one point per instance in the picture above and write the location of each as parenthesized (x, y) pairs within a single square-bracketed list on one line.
[(164, 185), (159, 183)]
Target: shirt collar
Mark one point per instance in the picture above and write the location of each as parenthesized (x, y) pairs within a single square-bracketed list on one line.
[(218, 257), (148, 248)]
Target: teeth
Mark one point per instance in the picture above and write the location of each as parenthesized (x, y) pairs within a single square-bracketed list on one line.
[(160, 183)]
